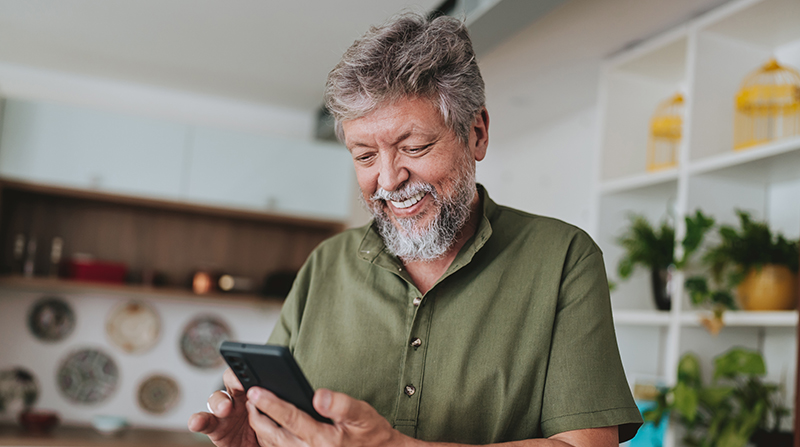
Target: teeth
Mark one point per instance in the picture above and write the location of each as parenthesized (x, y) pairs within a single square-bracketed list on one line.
[(408, 202)]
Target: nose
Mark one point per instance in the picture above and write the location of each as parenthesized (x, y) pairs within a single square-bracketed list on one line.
[(392, 174)]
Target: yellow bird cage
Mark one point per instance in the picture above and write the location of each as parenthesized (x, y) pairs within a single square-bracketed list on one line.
[(666, 130), (767, 106)]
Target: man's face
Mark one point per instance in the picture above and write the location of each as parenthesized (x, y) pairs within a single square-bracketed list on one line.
[(416, 177)]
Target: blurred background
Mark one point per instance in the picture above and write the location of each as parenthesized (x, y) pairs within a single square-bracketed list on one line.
[(166, 167)]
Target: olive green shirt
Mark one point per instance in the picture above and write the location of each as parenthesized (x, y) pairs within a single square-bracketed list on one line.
[(515, 341)]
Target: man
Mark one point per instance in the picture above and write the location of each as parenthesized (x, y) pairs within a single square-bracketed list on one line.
[(448, 318)]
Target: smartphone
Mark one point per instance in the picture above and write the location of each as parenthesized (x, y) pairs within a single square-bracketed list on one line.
[(272, 368)]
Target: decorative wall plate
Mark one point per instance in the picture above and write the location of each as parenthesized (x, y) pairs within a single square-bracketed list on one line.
[(158, 394), (88, 376), (18, 390), (51, 319), (133, 327), (201, 339)]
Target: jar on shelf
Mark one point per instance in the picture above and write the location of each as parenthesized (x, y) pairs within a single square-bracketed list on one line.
[(767, 106), (666, 130)]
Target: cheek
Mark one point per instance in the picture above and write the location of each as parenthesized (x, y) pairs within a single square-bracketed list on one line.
[(366, 182)]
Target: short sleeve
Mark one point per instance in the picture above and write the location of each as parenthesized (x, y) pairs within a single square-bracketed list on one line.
[(285, 331), (585, 383)]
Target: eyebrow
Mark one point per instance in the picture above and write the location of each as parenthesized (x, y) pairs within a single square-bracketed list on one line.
[(402, 137)]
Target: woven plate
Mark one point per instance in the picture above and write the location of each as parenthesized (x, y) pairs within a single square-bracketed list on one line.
[(201, 339), (88, 376), (51, 319), (133, 327), (158, 394)]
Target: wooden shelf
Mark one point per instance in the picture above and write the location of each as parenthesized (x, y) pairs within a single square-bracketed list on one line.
[(69, 436), (184, 207), (59, 286)]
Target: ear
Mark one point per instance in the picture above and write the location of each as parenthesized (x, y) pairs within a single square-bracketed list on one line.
[(479, 135)]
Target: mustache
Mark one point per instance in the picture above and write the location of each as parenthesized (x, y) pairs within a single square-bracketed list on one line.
[(403, 193)]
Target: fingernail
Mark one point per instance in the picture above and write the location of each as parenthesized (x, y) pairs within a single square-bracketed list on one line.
[(324, 399), (253, 393)]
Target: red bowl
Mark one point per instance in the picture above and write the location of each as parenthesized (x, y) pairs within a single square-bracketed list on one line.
[(40, 421)]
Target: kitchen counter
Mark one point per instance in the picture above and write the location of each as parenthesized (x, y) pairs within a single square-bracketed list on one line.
[(69, 436)]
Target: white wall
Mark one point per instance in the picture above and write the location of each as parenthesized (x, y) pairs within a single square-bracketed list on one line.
[(19, 348), (548, 170)]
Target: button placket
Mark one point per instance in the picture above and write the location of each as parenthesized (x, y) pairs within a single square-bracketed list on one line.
[(412, 376)]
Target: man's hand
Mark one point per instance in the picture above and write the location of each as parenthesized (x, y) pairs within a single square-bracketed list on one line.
[(227, 424), (355, 422)]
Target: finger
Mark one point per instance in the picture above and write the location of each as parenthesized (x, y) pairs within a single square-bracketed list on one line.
[(291, 418), (202, 423), (340, 407), (220, 404), (267, 431), (232, 383)]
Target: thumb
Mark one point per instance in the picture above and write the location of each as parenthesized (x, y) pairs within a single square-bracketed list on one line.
[(340, 407)]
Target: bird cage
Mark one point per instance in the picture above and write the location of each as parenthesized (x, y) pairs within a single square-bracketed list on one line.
[(767, 106), (666, 129)]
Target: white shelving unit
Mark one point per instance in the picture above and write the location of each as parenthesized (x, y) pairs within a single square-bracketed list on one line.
[(706, 60)]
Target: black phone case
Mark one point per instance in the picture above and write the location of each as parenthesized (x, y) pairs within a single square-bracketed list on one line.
[(272, 368)]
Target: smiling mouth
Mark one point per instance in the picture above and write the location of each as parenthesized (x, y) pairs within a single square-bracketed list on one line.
[(410, 201)]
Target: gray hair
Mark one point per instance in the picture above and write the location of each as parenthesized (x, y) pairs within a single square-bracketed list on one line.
[(409, 56)]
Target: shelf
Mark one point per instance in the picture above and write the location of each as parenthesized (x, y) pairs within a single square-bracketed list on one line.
[(639, 181), (740, 318), (768, 23), (168, 205), (662, 59), (768, 156), (59, 286), (64, 436), (641, 317)]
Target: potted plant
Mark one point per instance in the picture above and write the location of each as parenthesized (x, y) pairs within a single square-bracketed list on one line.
[(737, 407), (655, 249), (761, 266)]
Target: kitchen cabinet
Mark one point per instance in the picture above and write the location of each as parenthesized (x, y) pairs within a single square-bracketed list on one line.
[(305, 178), (75, 147), (706, 60)]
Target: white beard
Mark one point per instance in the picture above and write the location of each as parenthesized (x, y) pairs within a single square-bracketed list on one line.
[(405, 238)]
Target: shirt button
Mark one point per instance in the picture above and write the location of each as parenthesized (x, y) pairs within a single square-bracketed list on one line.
[(410, 390), (416, 343), (417, 301)]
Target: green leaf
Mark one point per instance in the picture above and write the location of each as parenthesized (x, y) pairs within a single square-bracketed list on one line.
[(696, 228), (739, 361), (698, 290), (713, 397), (730, 437), (689, 370), (686, 401)]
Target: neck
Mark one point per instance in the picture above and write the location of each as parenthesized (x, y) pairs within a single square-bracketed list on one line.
[(426, 273)]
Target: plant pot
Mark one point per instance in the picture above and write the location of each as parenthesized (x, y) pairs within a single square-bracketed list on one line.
[(661, 280), (763, 438), (770, 288)]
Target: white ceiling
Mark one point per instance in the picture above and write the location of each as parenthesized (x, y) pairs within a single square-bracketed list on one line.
[(276, 54)]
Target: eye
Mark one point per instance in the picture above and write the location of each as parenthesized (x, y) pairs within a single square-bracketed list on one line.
[(418, 149), (364, 158)]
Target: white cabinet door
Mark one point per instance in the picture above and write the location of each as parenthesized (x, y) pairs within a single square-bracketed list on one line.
[(270, 174), (82, 148)]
